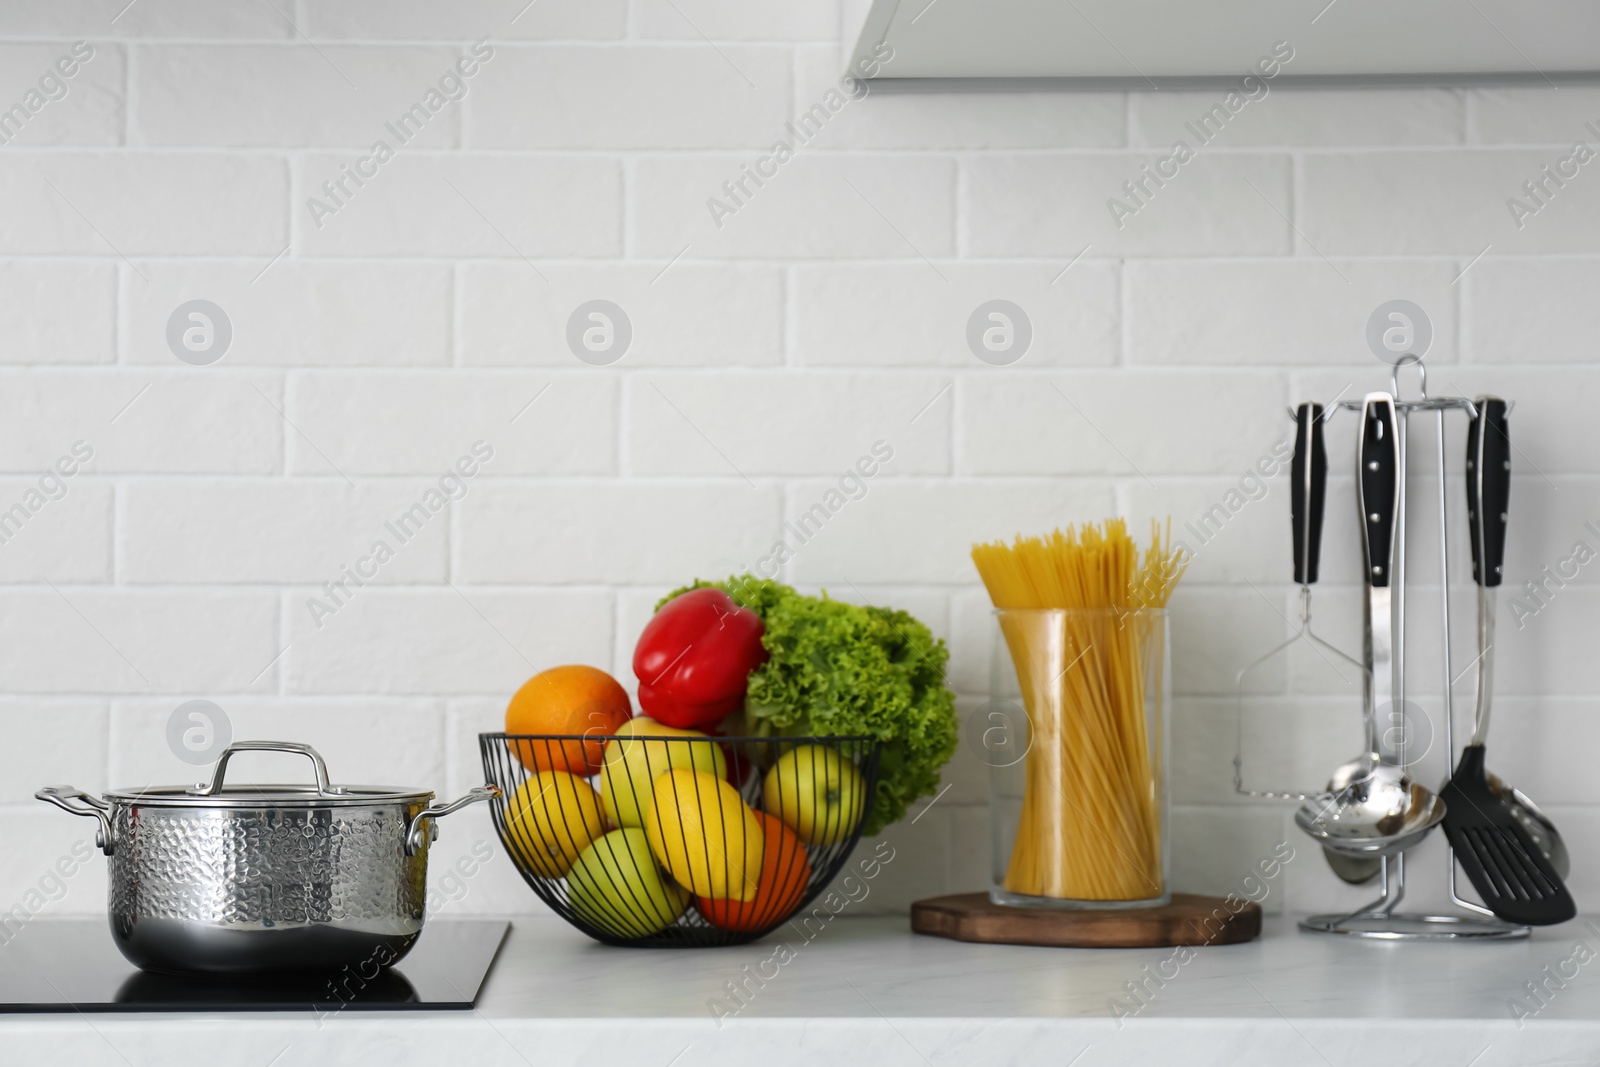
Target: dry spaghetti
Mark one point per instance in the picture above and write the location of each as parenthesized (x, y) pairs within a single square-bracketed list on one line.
[(1090, 826)]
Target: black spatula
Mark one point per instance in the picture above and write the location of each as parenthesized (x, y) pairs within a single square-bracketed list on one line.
[(1507, 869)]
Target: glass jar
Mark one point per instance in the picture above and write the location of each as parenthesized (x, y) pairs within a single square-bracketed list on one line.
[(1076, 741)]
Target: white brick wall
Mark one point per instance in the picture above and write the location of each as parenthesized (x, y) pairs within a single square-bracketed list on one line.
[(381, 313), (896, 314), (694, 315), (820, 206), (89, 105), (1210, 210), (129, 203), (431, 310), (338, 96), (543, 97), (428, 205)]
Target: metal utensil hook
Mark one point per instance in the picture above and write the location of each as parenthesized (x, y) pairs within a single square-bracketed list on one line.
[(1409, 360)]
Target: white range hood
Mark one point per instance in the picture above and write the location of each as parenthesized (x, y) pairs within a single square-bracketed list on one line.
[(1173, 43)]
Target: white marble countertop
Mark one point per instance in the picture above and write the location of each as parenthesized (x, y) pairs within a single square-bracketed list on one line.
[(868, 991)]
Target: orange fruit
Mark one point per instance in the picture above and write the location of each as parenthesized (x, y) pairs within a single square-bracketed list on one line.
[(785, 872), (567, 700)]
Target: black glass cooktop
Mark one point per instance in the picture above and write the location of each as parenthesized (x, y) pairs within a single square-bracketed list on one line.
[(69, 965)]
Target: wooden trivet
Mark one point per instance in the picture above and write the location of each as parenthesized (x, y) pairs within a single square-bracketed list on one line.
[(1191, 919)]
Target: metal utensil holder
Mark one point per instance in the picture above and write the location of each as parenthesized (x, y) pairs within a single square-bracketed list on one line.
[(1381, 918)]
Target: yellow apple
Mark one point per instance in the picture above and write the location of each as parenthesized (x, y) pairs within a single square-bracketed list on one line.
[(708, 840), (817, 792), (631, 765), (616, 886), (551, 818)]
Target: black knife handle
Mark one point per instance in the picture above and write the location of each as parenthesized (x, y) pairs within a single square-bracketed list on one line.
[(1488, 488), (1377, 482), (1307, 487)]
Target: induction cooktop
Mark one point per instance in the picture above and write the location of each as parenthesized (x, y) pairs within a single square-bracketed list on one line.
[(72, 965)]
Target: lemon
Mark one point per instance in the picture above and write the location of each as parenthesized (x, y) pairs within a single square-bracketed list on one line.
[(552, 817), (708, 840)]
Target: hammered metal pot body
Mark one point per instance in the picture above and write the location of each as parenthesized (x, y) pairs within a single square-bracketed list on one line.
[(232, 890), (227, 879)]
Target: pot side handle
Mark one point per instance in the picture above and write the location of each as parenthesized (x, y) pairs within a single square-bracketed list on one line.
[(420, 822), (63, 796)]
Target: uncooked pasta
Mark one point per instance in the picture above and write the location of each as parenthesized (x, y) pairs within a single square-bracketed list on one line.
[(1077, 612)]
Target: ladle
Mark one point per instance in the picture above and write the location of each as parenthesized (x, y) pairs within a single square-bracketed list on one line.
[(1372, 807)]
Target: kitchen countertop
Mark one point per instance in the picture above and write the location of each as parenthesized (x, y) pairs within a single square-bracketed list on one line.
[(868, 991)]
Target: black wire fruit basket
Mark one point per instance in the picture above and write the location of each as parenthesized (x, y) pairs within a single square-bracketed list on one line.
[(648, 839)]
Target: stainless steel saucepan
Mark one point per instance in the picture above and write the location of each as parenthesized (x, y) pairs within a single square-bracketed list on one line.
[(241, 879)]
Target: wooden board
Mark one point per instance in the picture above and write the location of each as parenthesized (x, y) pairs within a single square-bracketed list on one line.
[(1190, 919)]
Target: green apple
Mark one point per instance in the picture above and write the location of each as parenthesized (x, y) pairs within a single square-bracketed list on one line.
[(631, 766), (817, 792), (616, 886)]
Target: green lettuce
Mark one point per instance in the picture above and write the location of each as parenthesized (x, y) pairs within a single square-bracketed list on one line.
[(840, 669)]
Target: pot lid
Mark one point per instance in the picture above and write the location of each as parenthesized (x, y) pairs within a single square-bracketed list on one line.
[(266, 794), (217, 794)]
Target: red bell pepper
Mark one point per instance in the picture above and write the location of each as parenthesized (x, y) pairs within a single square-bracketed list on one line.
[(694, 658)]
